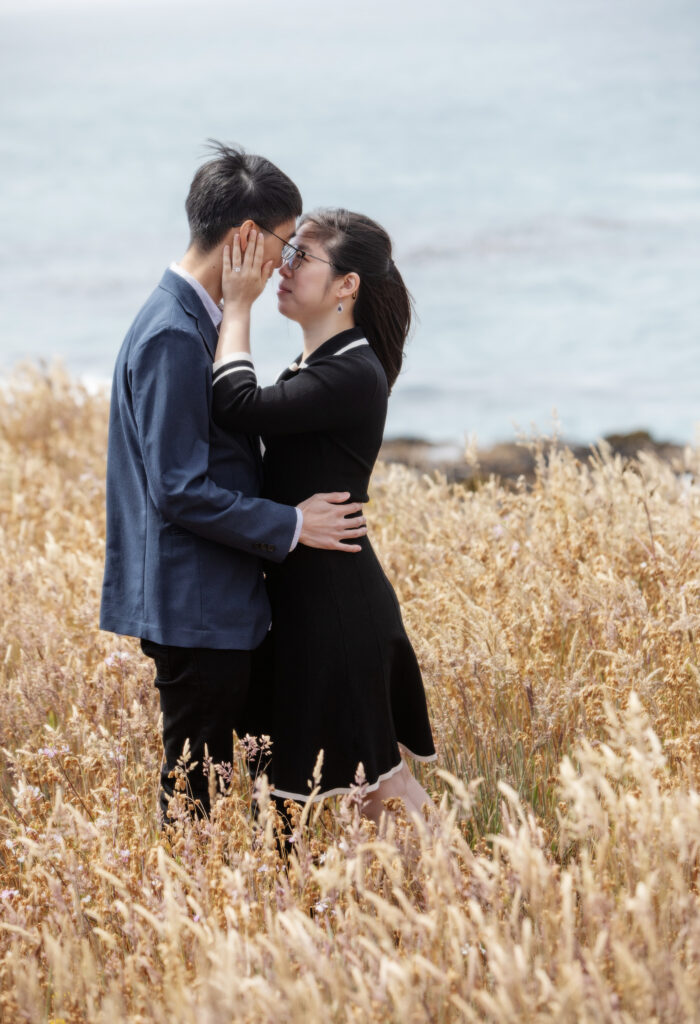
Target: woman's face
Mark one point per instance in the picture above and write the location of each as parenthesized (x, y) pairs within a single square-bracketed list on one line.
[(307, 293)]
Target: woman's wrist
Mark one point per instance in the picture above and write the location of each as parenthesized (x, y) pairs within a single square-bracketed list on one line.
[(234, 335), (237, 307)]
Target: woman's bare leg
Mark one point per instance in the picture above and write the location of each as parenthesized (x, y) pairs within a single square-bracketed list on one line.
[(419, 796), (402, 785)]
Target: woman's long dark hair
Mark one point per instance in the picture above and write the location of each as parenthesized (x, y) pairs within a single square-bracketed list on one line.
[(356, 244)]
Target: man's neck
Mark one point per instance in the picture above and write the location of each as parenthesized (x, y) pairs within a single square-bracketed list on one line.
[(206, 268)]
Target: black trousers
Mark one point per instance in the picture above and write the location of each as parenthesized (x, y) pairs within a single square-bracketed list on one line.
[(202, 697)]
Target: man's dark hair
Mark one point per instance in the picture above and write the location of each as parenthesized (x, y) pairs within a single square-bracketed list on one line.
[(237, 186)]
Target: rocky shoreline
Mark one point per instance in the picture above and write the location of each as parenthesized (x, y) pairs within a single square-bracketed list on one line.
[(511, 460)]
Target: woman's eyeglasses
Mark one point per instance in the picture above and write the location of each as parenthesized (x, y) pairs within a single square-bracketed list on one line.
[(293, 257)]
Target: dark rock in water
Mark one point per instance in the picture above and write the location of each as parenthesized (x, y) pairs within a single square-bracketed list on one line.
[(509, 460), (630, 445)]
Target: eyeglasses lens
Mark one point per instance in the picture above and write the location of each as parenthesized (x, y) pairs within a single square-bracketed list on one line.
[(292, 257)]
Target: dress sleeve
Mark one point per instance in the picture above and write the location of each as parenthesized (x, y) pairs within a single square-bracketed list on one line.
[(332, 393)]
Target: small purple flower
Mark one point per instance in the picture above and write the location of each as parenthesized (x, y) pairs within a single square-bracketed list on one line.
[(116, 658), (250, 745), (52, 752), (225, 771)]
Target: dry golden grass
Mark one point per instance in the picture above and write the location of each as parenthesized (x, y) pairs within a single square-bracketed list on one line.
[(556, 630)]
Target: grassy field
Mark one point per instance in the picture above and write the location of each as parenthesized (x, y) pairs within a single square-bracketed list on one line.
[(557, 629)]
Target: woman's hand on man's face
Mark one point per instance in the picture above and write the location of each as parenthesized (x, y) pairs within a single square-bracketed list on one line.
[(244, 275)]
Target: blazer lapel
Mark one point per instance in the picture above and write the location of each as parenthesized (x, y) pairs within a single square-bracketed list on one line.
[(209, 333), (192, 304)]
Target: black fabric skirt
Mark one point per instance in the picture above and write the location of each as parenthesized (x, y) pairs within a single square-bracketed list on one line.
[(336, 673)]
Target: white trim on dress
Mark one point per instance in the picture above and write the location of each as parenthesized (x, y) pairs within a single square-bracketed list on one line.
[(339, 790), (341, 351), (353, 344), (417, 757)]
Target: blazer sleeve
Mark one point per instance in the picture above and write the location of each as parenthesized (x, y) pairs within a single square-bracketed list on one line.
[(170, 385), (326, 395)]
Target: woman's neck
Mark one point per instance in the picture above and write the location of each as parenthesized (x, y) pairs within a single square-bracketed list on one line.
[(318, 332)]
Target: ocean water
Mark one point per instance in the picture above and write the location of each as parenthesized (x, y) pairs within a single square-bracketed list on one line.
[(538, 166)]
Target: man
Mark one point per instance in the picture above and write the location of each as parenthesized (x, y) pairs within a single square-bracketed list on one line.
[(185, 525)]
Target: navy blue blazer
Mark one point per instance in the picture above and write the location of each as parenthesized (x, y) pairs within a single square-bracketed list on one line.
[(184, 521)]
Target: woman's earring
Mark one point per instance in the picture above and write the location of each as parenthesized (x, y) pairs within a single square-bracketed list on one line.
[(340, 307), (354, 295)]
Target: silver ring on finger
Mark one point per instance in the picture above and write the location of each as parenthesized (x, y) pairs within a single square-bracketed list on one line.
[(237, 269)]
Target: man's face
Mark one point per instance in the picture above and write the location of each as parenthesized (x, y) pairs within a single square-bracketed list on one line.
[(273, 246)]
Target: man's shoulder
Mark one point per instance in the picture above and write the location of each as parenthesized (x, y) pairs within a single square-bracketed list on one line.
[(162, 310), (161, 316)]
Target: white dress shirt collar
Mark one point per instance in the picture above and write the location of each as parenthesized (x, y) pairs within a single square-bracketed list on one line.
[(215, 312)]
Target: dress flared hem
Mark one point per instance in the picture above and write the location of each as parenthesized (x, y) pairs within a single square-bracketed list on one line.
[(342, 790)]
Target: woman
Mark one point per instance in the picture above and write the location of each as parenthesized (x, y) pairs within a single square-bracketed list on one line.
[(337, 672)]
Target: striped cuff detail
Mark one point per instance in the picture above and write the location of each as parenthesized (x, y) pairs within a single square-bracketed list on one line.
[(224, 367), (236, 357), (233, 369)]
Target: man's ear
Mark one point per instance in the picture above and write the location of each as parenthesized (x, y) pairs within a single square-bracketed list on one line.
[(244, 231)]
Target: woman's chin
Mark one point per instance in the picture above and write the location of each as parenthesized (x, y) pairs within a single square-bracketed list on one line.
[(283, 307)]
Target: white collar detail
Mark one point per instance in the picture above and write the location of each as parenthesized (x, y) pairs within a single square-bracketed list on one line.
[(353, 344), (215, 312)]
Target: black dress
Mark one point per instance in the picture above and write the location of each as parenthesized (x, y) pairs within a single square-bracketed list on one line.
[(337, 672)]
